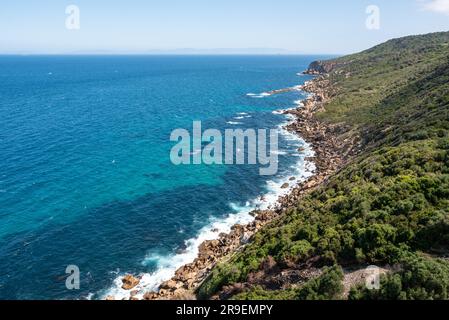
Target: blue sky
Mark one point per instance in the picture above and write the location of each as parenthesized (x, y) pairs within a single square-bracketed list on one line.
[(139, 26)]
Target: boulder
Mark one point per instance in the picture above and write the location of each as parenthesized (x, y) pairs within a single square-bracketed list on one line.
[(182, 294), (170, 285), (129, 282), (150, 296)]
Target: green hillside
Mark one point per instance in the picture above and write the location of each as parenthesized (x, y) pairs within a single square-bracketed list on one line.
[(389, 205)]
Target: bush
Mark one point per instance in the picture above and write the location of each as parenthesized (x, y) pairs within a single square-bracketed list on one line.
[(328, 286), (420, 278)]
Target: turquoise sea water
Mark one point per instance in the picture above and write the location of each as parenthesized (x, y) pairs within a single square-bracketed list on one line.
[(85, 173)]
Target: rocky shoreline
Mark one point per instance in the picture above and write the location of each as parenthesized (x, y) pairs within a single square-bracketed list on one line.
[(330, 153)]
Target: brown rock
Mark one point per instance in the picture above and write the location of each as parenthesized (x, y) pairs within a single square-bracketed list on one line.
[(182, 294), (129, 282), (285, 186), (150, 296), (237, 227), (207, 248), (169, 285), (184, 274)]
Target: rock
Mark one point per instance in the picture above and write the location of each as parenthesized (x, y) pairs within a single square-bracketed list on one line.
[(183, 294), (292, 178), (207, 248), (285, 186), (129, 282), (163, 292), (237, 227), (184, 273), (110, 298), (150, 296), (169, 285)]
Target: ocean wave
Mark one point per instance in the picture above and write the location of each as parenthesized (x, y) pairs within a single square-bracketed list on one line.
[(283, 112), (259, 95), (233, 123), (242, 115)]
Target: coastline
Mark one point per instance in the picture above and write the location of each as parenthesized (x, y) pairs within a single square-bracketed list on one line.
[(325, 159)]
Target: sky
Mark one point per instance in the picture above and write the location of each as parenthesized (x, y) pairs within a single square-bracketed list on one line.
[(212, 26)]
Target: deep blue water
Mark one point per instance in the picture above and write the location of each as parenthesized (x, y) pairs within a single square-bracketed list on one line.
[(85, 174)]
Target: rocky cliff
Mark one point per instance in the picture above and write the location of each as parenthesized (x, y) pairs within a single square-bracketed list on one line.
[(321, 67)]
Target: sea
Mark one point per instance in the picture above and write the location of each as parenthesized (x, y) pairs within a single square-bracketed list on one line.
[(86, 178)]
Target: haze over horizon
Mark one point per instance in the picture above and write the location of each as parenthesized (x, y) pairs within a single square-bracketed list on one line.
[(201, 27)]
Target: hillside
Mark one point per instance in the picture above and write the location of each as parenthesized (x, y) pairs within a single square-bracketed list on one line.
[(387, 205)]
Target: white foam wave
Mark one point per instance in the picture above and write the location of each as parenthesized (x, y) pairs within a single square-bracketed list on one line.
[(242, 115), (259, 95), (299, 103), (233, 123)]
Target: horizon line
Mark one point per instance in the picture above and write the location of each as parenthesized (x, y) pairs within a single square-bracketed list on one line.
[(166, 54), (174, 51)]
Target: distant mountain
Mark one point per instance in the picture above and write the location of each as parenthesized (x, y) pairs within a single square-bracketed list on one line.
[(180, 51)]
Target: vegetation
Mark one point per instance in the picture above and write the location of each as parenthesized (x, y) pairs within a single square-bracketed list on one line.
[(390, 204), (328, 286), (419, 279)]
